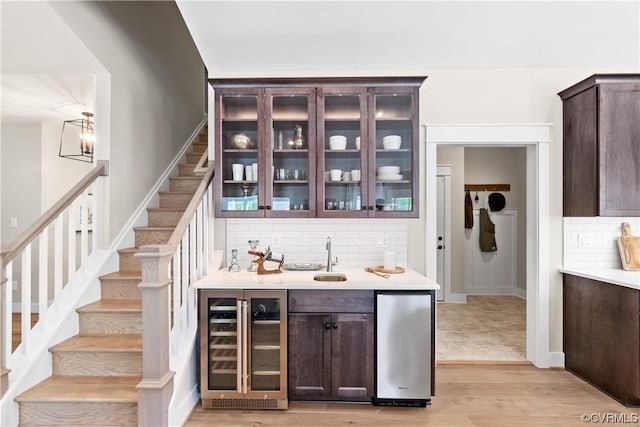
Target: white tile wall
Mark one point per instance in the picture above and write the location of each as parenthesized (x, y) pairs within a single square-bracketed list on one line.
[(303, 240), (591, 242)]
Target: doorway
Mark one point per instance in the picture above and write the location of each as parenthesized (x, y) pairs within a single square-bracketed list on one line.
[(535, 138), (443, 230)]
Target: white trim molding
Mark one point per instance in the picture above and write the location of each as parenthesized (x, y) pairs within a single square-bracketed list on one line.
[(536, 138)]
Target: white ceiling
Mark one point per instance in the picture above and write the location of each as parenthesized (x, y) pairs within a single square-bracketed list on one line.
[(299, 38)]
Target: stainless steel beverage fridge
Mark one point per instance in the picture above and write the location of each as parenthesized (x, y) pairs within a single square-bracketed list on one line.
[(243, 349), (404, 348)]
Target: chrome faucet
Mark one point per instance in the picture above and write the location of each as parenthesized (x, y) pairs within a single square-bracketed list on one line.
[(328, 247)]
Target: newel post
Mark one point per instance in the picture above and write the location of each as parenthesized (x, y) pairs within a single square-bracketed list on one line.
[(156, 388), (4, 372)]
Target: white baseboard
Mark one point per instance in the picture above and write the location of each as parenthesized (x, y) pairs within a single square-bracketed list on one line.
[(456, 298), (522, 293), (556, 359)]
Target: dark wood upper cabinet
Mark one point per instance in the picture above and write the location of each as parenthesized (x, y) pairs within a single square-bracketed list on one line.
[(601, 146), (293, 177)]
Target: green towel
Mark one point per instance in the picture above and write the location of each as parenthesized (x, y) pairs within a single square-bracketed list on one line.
[(487, 233)]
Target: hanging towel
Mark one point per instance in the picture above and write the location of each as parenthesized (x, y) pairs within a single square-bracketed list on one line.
[(487, 233), (468, 211)]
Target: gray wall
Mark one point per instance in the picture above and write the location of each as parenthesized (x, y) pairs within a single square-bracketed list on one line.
[(157, 90), (21, 173)]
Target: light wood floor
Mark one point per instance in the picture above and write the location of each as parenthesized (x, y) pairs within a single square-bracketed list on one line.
[(480, 395)]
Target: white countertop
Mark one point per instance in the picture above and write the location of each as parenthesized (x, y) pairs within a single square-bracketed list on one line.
[(357, 278), (629, 279)]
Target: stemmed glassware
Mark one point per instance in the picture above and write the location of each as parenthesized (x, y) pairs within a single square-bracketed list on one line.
[(253, 245)]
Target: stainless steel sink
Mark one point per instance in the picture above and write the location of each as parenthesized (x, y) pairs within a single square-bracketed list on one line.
[(330, 277)]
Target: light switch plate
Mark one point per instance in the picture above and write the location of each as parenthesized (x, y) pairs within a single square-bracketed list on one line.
[(13, 222)]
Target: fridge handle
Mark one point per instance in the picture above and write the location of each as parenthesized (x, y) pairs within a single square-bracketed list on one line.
[(245, 346), (240, 350)]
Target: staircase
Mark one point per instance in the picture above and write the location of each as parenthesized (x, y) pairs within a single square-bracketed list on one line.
[(95, 373)]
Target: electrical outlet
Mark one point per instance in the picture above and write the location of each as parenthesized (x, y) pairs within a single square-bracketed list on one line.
[(14, 285), (13, 222), (381, 241), (276, 241)]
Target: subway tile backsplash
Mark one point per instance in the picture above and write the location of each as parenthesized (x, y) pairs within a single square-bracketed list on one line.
[(354, 242), (591, 242)]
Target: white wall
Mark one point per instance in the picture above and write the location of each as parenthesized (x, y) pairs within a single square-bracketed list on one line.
[(20, 166), (157, 90), (501, 166)]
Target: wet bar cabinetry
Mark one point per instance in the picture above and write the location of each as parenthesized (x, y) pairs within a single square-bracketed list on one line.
[(283, 136), (602, 336), (601, 145), (333, 354)]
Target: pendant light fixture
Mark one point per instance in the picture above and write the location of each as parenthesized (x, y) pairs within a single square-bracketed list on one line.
[(77, 139)]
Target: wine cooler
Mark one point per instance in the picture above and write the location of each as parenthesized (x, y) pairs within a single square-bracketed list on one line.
[(243, 349)]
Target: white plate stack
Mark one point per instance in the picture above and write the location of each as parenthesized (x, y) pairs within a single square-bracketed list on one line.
[(389, 173)]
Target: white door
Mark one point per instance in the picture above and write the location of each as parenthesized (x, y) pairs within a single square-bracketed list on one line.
[(442, 232)]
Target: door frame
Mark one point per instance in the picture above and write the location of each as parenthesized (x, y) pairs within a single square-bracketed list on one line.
[(535, 138)]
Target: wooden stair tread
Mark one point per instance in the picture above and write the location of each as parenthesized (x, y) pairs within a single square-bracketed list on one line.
[(106, 343), (186, 178), (130, 250), (167, 209), (63, 388), (179, 193), (112, 305), (153, 228), (126, 275)]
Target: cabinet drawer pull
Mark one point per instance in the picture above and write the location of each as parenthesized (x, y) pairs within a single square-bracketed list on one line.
[(268, 207), (335, 326), (364, 208), (327, 326), (260, 207), (370, 208)]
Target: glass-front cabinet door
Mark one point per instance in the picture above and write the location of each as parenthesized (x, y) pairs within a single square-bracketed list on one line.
[(394, 151), (239, 147), (243, 348), (342, 151), (291, 185)]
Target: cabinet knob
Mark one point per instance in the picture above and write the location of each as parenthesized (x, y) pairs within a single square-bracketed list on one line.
[(327, 326), (440, 246), (260, 207), (370, 208), (268, 207), (364, 208), (335, 326)]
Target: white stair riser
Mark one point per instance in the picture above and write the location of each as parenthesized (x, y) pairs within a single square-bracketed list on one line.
[(97, 363), (78, 413)]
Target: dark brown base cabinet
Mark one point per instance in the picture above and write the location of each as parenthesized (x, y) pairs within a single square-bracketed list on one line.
[(602, 336), (331, 336)]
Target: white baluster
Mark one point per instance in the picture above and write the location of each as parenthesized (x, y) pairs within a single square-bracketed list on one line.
[(184, 282), (177, 276), (43, 273), (7, 322), (199, 241), (26, 295), (71, 240), (84, 220), (58, 244)]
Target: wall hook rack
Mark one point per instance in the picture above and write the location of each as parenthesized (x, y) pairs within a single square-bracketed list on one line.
[(487, 187)]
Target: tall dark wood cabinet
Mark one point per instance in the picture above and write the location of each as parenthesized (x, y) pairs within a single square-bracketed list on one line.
[(601, 336), (601, 140), (331, 338)]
